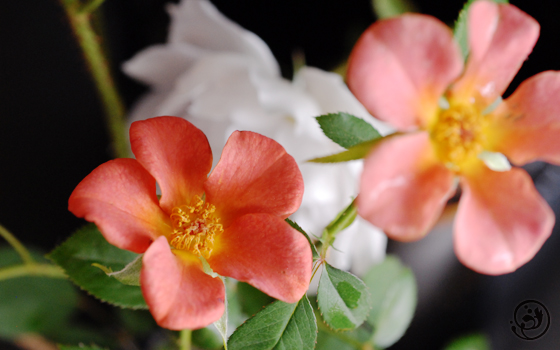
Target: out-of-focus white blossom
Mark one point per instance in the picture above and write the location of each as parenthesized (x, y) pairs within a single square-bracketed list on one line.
[(223, 78)]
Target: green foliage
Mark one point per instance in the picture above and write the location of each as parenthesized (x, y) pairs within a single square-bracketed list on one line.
[(33, 304), (297, 227), (137, 322), (86, 247), (278, 326), (349, 340), (329, 341), (347, 130), (460, 28), (251, 299), (343, 299), (352, 133), (206, 338), (344, 219), (356, 152), (394, 297), (129, 275), (470, 342), (80, 347), (235, 314), (391, 8)]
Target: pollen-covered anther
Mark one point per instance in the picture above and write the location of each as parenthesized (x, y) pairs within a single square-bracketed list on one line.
[(457, 134), (194, 227)]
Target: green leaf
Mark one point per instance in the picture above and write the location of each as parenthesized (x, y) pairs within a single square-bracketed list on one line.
[(470, 342), (391, 8), (235, 315), (343, 299), (80, 347), (297, 227), (136, 322), (460, 28), (278, 326), (206, 338), (394, 296), (328, 341), (350, 340), (344, 219), (347, 130), (130, 275), (86, 247), (358, 151), (33, 304), (251, 299)]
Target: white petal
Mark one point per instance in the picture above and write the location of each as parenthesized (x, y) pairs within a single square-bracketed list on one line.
[(214, 87), (369, 248), (147, 106), (198, 22), (332, 94), (224, 78), (162, 64), (338, 254)]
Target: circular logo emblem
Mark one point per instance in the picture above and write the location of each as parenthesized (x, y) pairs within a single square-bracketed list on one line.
[(530, 320)]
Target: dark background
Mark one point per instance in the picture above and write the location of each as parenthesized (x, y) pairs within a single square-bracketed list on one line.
[(52, 135)]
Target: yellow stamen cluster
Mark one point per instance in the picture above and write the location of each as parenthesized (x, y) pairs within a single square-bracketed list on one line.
[(194, 227), (457, 134)]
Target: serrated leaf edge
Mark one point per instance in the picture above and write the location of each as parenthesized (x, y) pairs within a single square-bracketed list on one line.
[(318, 307), (122, 306), (289, 319)]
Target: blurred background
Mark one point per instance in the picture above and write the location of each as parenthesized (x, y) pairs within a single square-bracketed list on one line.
[(52, 134)]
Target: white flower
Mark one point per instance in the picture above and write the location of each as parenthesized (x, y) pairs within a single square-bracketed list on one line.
[(223, 78)]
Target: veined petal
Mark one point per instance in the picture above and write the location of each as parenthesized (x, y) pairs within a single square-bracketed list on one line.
[(198, 22), (500, 37), (254, 175), (120, 198), (179, 294), (400, 67), (526, 127), (264, 251), (161, 65), (502, 221), (404, 187), (176, 153), (333, 96), (223, 77)]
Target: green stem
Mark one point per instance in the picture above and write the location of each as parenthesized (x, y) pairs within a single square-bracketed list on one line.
[(32, 269), (91, 6), (342, 221), (185, 339), (95, 59), (20, 249), (316, 268)]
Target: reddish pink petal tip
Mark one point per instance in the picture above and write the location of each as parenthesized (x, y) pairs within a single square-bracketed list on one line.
[(179, 294), (502, 221)]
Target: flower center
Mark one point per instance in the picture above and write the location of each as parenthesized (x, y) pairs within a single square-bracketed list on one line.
[(194, 227), (457, 134)]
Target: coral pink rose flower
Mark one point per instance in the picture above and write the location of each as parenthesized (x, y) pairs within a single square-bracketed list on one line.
[(233, 218), (409, 71)]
